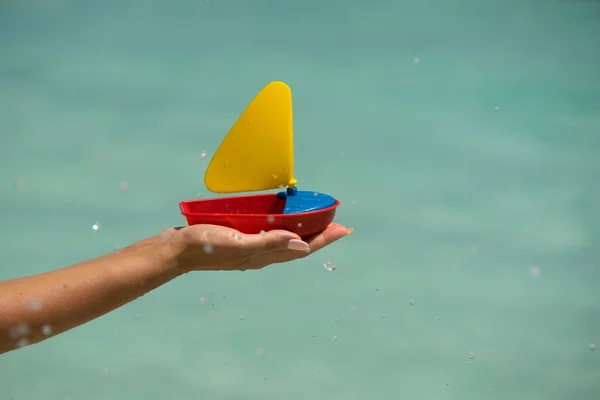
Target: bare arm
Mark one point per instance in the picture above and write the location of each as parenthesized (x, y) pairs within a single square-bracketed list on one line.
[(36, 307)]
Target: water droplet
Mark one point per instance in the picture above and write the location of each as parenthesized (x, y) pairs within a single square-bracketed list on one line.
[(165, 236), (473, 250), (21, 329), (299, 224), (383, 316), (315, 194), (18, 183), (353, 202), (471, 356), (241, 317), (23, 342), (203, 154), (329, 266), (199, 194), (96, 227), (333, 339), (416, 60), (137, 317), (259, 351), (270, 219), (208, 248), (46, 330), (202, 300), (377, 289), (411, 302), (490, 390), (497, 108), (33, 304), (535, 271), (262, 233), (238, 236), (117, 249), (266, 378), (592, 347), (106, 370), (124, 186)]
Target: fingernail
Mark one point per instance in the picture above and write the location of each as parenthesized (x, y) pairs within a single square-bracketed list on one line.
[(349, 231), (299, 245)]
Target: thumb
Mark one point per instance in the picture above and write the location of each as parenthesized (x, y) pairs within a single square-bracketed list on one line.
[(274, 241)]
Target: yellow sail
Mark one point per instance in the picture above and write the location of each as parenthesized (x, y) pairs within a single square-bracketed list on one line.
[(258, 152)]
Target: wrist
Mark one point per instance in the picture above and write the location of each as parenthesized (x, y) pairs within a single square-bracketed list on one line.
[(173, 251), (161, 253)]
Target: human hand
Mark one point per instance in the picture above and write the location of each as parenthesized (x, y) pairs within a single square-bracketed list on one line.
[(214, 248)]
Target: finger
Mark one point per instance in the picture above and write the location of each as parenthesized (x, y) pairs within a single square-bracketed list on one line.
[(278, 257), (271, 241), (332, 233)]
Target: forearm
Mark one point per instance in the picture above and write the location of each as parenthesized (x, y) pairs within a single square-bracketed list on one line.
[(35, 307)]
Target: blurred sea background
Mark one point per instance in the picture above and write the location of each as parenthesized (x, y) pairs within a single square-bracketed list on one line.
[(461, 137)]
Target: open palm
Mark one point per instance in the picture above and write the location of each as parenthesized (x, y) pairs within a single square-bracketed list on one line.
[(211, 247)]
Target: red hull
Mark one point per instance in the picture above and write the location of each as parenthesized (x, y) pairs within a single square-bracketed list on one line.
[(252, 214)]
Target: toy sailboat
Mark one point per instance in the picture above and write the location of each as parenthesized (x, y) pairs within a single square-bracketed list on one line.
[(258, 154)]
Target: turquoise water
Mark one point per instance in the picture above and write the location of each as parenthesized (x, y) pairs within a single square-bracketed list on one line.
[(460, 136)]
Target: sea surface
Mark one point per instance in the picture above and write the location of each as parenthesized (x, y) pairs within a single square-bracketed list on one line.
[(461, 137)]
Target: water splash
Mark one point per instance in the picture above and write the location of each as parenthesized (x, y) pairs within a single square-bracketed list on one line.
[(329, 266)]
